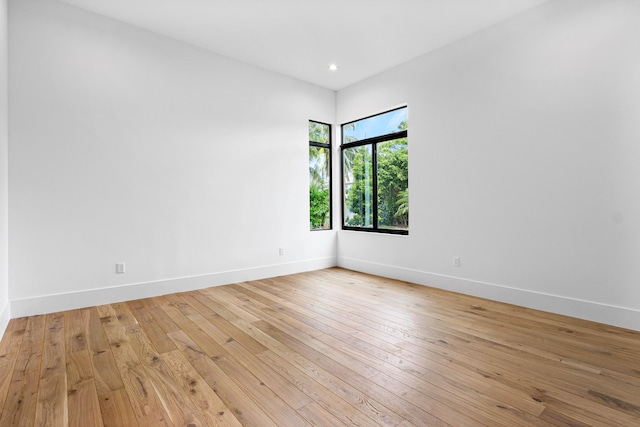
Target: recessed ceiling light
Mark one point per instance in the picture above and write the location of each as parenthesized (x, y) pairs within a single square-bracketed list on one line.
[(333, 67)]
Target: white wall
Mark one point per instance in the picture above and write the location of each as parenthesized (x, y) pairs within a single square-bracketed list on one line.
[(191, 168), (4, 223), (128, 146), (524, 142)]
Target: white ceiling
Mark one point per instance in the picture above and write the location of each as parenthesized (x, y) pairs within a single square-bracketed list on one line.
[(300, 38)]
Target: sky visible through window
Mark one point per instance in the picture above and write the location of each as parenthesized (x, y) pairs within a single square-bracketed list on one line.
[(375, 126)]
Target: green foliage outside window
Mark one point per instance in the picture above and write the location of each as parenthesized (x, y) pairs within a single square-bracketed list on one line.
[(358, 199), (319, 207), (393, 180)]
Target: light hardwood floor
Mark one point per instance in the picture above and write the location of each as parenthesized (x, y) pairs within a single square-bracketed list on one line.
[(328, 348)]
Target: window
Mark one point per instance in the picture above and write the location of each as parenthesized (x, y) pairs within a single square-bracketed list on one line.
[(319, 176), (375, 176)]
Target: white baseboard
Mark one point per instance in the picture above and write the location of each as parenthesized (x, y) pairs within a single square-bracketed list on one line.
[(588, 310), (5, 316), (87, 298)]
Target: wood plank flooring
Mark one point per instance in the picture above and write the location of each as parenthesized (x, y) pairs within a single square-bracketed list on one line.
[(324, 348)]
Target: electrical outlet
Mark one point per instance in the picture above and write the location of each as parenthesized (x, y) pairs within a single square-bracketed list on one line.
[(281, 251), (456, 261), (120, 268)]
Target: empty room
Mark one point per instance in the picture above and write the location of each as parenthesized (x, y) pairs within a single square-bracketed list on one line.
[(320, 213)]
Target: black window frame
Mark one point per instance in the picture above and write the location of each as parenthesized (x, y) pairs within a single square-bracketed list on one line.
[(328, 147), (373, 141)]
